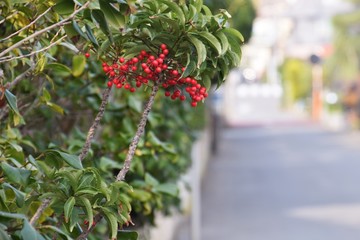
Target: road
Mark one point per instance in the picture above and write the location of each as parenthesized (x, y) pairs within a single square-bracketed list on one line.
[(283, 182)]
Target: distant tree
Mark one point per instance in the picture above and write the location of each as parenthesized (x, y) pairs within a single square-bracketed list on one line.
[(242, 11)]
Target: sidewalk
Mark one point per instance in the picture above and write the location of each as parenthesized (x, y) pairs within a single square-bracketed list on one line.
[(281, 182)]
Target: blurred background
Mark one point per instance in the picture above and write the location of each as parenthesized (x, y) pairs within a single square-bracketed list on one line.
[(284, 157)]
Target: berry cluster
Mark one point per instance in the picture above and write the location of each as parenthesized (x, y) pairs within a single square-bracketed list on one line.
[(146, 68)]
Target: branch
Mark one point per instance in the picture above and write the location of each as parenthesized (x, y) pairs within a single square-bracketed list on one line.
[(6, 59), (16, 45), (39, 211), (27, 26), (139, 132), (86, 232), (20, 77), (91, 132)]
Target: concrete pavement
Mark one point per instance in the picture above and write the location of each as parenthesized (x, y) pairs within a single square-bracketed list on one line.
[(282, 182)]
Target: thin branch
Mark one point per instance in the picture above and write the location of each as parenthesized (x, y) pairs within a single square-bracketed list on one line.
[(91, 132), (20, 77), (27, 26), (16, 45), (6, 59), (138, 134), (39, 211), (86, 232)]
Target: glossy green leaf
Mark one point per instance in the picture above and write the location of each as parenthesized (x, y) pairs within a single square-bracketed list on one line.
[(190, 68), (167, 188), (112, 222), (224, 41), (11, 100), (68, 208), (206, 10), (17, 175), (70, 159), (197, 4), (78, 65), (88, 210), (212, 40), (12, 215), (234, 33), (90, 35), (55, 108), (176, 9), (112, 15), (64, 7), (28, 232), (100, 18), (4, 235), (58, 230), (59, 69), (19, 196), (200, 49), (78, 29), (141, 195), (127, 235)]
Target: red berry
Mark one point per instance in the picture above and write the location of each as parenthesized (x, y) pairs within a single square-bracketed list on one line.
[(87, 55), (121, 59), (164, 66), (174, 72), (166, 52), (127, 86), (104, 64), (134, 68), (167, 94), (132, 89), (143, 52), (86, 222), (162, 56), (182, 98), (205, 95), (119, 85), (147, 70), (112, 73), (158, 69), (193, 104), (163, 46), (106, 69), (138, 84), (109, 84), (152, 58), (135, 60), (160, 60), (155, 63)]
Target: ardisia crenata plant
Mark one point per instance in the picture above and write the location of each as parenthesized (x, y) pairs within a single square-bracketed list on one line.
[(137, 47)]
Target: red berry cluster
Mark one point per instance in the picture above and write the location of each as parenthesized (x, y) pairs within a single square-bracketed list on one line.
[(146, 68)]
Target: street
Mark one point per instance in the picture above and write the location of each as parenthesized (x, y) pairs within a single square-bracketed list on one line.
[(283, 182)]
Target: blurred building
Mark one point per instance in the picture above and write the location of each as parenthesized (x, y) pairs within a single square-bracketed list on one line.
[(289, 28)]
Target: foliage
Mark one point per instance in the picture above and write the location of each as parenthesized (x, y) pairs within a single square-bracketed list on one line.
[(50, 93), (242, 14), (296, 79)]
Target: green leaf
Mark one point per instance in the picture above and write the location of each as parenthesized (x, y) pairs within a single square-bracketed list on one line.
[(55, 107), (197, 3), (135, 104), (207, 10), (167, 188), (88, 210), (100, 18), (69, 177), (59, 69), (176, 9), (112, 221), (112, 15), (12, 215), (68, 208), (78, 29), (151, 180), (58, 230), (212, 40), (28, 232), (127, 235), (64, 7), (190, 68), (78, 65), (90, 35), (200, 48), (16, 175), (11, 100), (4, 235), (234, 33), (224, 41), (19, 196), (70, 159), (141, 195)]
